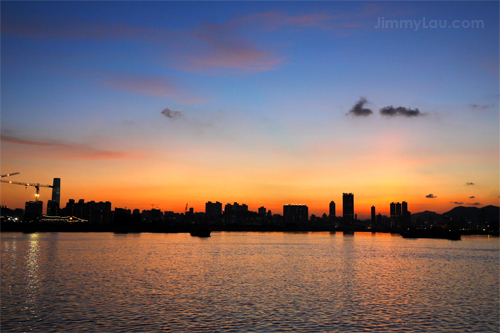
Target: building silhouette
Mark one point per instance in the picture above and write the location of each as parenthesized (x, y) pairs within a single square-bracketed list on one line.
[(54, 205), (213, 208), (56, 191), (332, 210), (398, 210), (33, 210), (406, 216), (52, 208), (399, 214), (295, 215), (373, 215), (348, 207)]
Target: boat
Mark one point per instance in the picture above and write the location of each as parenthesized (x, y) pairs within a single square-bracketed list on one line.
[(432, 233), (200, 230)]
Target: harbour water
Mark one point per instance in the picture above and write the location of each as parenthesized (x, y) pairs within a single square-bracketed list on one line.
[(232, 282)]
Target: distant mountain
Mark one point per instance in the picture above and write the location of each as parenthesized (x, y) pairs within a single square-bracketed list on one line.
[(467, 213), (426, 216), (488, 213), (491, 213)]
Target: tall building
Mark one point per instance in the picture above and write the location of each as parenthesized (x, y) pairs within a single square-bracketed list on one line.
[(56, 191), (398, 210), (213, 209), (406, 215), (52, 208), (236, 208), (373, 215), (396, 213), (332, 209), (262, 211), (348, 206), (32, 210), (295, 214)]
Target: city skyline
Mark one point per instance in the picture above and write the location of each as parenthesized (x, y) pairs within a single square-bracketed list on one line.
[(396, 211), (263, 103)]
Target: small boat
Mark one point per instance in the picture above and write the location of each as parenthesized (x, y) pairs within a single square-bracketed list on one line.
[(200, 231)]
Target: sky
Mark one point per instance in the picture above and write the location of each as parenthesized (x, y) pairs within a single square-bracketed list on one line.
[(163, 104)]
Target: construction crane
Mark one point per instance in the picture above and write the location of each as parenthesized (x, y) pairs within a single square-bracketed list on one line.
[(36, 185), (9, 174)]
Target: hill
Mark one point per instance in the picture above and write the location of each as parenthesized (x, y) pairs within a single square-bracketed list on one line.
[(487, 213)]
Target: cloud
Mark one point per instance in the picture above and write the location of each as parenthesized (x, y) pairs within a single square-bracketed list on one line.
[(457, 203), (338, 21), (65, 150), (142, 84), (274, 20), (431, 196), (201, 47), (469, 183), (196, 100), (472, 197), (479, 106), (358, 110), (172, 114), (391, 111), (474, 204)]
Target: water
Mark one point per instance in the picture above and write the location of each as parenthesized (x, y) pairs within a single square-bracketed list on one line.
[(302, 282)]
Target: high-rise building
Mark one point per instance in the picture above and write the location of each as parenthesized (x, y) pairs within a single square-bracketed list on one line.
[(348, 206), (262, 211), (56, 191), (332, 209), (373, 215), (406, 215), (213, 209), (398, 210), (32, 210), (52, 208), (295, 214), (396, 213)]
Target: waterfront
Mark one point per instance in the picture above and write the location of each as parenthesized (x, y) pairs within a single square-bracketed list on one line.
[(248, 282)]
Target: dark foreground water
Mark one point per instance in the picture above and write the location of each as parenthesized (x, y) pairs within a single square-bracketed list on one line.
[(248, 282)]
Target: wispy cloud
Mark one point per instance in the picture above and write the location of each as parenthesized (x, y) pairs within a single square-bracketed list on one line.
[(142, 84), (469, 183), (472, 197), (391, 111), (359, 110), (172, 114), (457, 202), (204, 46), (196, 100), (274, 20), (230, 45), (482, 107), (338, 21), (474, 204), (67, 150), (431, 196)]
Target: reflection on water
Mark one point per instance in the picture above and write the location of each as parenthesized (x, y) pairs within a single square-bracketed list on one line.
[(31, 275), (248, 282)]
